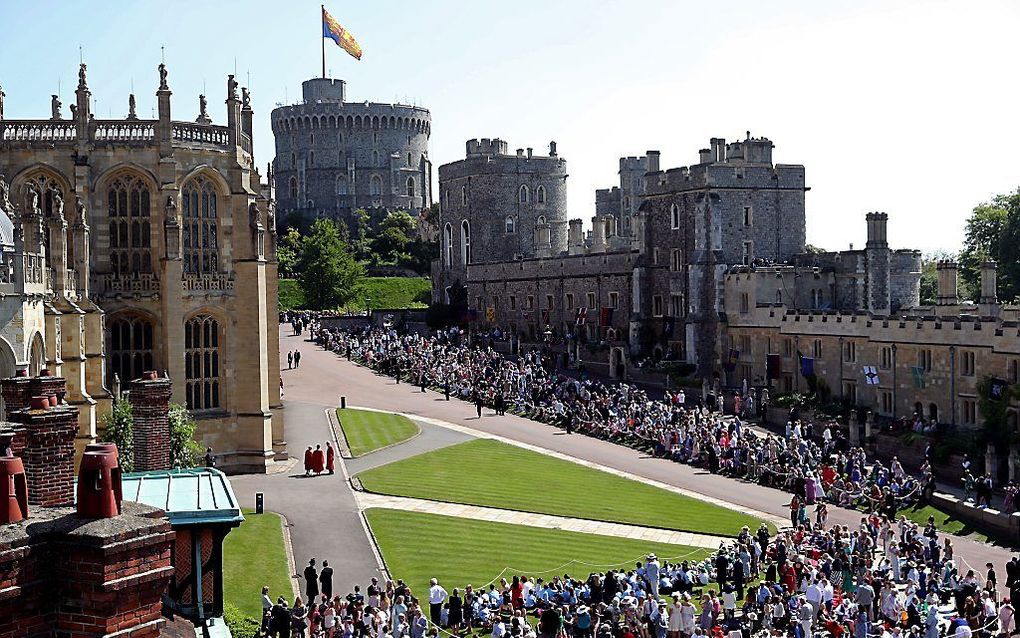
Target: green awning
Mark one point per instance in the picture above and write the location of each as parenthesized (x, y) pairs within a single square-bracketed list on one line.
[(196, 496)]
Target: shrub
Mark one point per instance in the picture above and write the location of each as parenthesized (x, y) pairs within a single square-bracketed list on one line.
[(184, 450), (118, 428), (240, 625)]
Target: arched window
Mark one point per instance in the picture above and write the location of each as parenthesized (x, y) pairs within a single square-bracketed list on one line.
[(463, 195), (130, 348), (409, 160), (448, 245), (293, 188), (465, 242), (510, 226), (311, 159), (523, 194), (540, 194), (202, 362), (201, 253), (44, 186), (293, 160), (341, 185), (446, 198), (376, 185), (128, 216), (540, 221), (410, 187), (375, 158), (674, 216), (779, 296)]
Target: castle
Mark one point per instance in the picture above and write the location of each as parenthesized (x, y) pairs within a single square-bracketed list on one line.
[(335, 156), (650, 278), (144, 244)]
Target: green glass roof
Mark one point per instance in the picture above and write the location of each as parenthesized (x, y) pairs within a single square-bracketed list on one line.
[(190, 497)]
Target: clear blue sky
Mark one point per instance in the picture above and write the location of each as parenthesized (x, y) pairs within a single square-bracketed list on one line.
[(906, 107)]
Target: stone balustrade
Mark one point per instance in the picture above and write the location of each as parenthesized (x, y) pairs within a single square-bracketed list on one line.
[(208, 282), (47, 131), (125, 131), (200, 133)]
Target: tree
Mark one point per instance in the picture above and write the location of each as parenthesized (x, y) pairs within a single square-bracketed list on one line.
[(360, 241), (118, 428), (811, 249), (184, 450), (287, 251), (328, 271), (993, 232), (395, 233)]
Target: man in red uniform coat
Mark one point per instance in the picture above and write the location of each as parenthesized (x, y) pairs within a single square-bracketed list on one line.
[(330, 457), (318, 460)]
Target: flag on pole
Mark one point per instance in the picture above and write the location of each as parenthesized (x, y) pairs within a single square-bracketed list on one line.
[(918, 373), (870, 375), (807, 366), (331, 29)]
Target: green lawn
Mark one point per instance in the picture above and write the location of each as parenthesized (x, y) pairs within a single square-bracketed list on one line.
[(943, 521), (367, 431), (383, 292), (462, 551), (253, 556), (494, 474)]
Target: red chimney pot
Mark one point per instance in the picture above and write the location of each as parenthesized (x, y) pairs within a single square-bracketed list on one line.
[(13, 490), (40, 403)]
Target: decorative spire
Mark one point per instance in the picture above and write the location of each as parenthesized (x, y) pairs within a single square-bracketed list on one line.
[(132, 115), (203, 111), (162, 78)]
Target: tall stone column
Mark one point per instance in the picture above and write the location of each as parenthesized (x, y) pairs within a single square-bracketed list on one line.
[(150, 407)]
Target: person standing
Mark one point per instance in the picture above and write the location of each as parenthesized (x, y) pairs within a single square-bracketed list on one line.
[(437, 596), (297, 359), (308, 461), (290, 360), (318, 460), (330, 458), (326, 580), (311, 581)]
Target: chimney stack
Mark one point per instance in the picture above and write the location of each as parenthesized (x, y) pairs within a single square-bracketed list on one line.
[(49, 445), (150, 406), (947, 279), (552, 149), (529, 152), (652, 161)]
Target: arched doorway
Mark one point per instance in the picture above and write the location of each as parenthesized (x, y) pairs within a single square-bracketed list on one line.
[(933, 413), (617, 364), (36, 355)]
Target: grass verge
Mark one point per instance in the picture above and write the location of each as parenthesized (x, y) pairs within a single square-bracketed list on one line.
[(367, 431), (494, 474), (254, 555), (462, 551)]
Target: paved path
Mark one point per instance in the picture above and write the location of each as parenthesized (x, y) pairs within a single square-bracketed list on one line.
[(325, 521), (432, 437), (323, 374), (367, 500)]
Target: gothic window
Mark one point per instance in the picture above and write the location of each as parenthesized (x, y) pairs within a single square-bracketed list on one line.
[(448, 245), (540, 195), (293, 188), (128, 217), (410, 187), (293, 160), (523, 195), (311, 158), (130, 348), (510, 225), (540, 221), (463, 195), (674, 216), (202, 362), (200, 244), (44, 185), (341, 185), (465, 242), (409, 160), (375, 158), (376, 186)]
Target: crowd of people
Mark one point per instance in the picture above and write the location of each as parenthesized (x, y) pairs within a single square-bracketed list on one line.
[(888, 576)]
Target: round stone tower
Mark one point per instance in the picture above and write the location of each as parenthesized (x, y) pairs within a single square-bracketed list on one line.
[(335, 156)]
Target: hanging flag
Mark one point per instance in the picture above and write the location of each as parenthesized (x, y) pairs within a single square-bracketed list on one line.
[(773, 366), (733, 355), (997, 389), (605, 317), (807, 367), (545, 317), (490, 314), (331, 29), (582, 316), (918, 373), (870, 375)]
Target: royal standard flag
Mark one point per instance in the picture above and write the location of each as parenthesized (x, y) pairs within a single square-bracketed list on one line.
[(331, 29)]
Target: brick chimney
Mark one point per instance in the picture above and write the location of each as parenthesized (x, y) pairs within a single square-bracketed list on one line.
[(150, 407), (49, 448)]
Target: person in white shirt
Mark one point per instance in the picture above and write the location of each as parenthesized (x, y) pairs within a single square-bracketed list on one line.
[(437, 596)]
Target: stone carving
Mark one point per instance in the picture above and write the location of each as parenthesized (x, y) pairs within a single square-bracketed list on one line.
[(82, 84), (5, 194), (33, 201), (203, 111), (132, 115), (253, 215), (162, 78), (79, 206), (58, 203), (171, 209), (55, 107), (231, 88), (245, 97), (74, 111)]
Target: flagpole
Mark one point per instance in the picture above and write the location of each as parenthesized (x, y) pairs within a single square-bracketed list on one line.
[(322, 37)]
